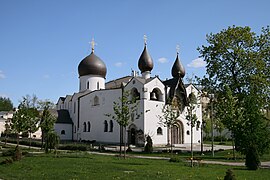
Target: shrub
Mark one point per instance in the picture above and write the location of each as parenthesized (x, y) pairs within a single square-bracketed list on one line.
[(229, 175), (252, 159), (149, 145), (9, 152), (7, 161), (175, 159), (74, 147)]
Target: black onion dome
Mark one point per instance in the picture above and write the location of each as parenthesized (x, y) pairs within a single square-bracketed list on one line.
[(178, 68), (145, 62), (92, 65)]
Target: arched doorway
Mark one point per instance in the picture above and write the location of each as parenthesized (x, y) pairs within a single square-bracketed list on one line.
[(177, 133), (132, 134)]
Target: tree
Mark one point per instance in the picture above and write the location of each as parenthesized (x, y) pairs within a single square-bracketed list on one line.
[(5, 104), (192, 118), (170, 113), (47, 119), (46, 125), (123, 110), (239, 59), (26, 118)]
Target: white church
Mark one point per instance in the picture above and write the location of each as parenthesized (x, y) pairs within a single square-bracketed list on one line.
[(81, 116)]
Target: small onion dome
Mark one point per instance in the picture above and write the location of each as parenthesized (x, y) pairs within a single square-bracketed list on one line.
[(145, 62), (92, 65), (178, 68)]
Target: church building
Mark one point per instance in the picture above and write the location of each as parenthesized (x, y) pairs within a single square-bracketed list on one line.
[(82, 116)]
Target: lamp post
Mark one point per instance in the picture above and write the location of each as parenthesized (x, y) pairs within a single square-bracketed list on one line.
[(211, 96)]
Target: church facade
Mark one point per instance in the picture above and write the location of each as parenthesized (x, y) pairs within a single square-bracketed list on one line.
[(82, 116)]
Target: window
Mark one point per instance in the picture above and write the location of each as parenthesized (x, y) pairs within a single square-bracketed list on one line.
[(97, 85), (111, 126), (187, 132), (87, 84), (105, 126), (135, 94), (159, 131), (88, 126), (63, 132), (96, 101), (84, 127), (74, 107)]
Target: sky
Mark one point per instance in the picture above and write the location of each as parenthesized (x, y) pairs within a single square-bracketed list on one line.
[(42, 42)]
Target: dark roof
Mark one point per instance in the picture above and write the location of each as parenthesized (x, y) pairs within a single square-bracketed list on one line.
[(116, 83), (178, 68), (63, 117), (92, 65), (62, 98), (145, 62)]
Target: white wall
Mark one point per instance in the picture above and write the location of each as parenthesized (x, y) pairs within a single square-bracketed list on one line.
[(93, 81), (95, 114), (67, 128)]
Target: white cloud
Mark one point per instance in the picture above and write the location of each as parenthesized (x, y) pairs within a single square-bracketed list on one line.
[(2, 75), (119, 64), (162, 60), (46, 76), (197, 63)]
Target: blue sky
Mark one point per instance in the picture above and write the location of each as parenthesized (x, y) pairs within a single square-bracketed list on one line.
[(42, 42)]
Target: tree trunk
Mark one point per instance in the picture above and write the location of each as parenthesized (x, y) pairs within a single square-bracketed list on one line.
[(171, 141), (125, 142), (191, 148), (121, 139), (17, 139), (30, 139)]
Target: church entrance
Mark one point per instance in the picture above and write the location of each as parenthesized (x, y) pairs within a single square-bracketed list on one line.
[(132, 134), (177, 136)]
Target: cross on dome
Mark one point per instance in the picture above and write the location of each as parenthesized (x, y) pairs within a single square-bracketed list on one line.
[(177, 48), (93, 43), (145, 39)]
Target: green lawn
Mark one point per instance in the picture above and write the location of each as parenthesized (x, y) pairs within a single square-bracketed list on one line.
[(84, 166)]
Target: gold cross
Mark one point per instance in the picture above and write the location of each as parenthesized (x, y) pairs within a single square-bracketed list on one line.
[(145, 39), (177, 48), (93, 43)]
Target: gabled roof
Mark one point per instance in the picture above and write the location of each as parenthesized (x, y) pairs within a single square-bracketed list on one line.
[(63, 117)]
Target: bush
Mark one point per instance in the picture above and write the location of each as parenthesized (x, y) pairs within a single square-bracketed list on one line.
[(9, 152), (175, 159), (7, 161), (252, 159), (229, 175), (74, 147), (149, 145)]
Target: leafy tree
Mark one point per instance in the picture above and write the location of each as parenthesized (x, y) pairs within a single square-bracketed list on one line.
[(123, 110), (168, 119), (5, 104), (53, 141), (47, 124), (239, 59), (192, 118), (26, 118), (47, 119)]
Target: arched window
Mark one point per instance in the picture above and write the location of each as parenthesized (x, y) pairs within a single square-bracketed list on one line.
[(105, 126), (87, 84), (63, 132), (156, 95), (84, 127), (96, 101), (111, 126), (188, 132), (97, 85), (159, 131), (88, 126), (135, 94)]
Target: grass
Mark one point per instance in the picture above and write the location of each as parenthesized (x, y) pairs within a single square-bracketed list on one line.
[(85, 166)]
